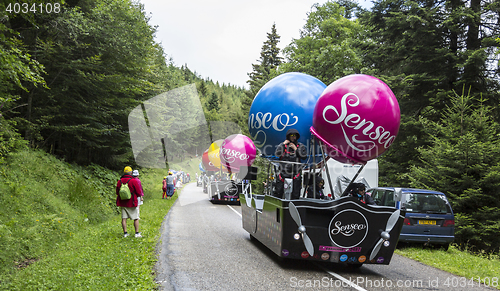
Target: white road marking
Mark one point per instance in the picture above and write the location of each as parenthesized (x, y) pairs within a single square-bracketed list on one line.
[(234, 210), (348, 282)]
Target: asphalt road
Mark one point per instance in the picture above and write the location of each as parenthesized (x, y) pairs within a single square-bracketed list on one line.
[(204, 247)]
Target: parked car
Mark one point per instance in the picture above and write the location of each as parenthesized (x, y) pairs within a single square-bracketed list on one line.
[(429, 218)]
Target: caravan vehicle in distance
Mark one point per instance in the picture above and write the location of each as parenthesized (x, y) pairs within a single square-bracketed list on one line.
[(224, 191)]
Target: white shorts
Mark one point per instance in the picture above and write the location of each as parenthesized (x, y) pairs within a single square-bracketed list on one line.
[(130, 212)]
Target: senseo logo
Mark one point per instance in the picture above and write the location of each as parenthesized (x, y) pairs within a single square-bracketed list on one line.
[(237, 150), (231, 189), (348, 228), (229, 155), (259, 121), (370, 134), (266, 120), (357, 118)]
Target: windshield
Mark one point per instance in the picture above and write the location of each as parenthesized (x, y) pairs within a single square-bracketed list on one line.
[(425, 203)]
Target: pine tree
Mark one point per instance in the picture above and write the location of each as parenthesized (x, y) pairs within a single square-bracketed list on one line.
[(261, 74), (428, 48), (269, 59), (425, 50), (202, 88), (328, 48), (213, 102), (464, 163)]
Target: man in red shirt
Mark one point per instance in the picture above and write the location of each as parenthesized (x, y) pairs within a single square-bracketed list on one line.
[(129, 206)]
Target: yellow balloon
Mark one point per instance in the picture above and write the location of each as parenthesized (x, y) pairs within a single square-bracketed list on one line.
[(213, 153)]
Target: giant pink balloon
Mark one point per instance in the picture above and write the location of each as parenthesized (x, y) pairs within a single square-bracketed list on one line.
[(237, 150), (357, 118)]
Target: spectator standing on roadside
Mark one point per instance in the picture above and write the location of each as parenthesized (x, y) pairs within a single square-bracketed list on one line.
[(170, 185), (140, 200), (129, 206), (164, 188)]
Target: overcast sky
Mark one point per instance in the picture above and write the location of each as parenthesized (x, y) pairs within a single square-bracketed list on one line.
[(221, 39)]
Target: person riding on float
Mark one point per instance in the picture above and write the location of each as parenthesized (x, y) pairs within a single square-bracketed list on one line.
[(290, 151), (320, 194)]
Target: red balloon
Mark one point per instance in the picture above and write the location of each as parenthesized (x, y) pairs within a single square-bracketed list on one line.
[(206, 162)]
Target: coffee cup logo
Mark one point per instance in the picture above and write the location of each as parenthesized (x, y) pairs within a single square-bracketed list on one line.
[(348, 228)]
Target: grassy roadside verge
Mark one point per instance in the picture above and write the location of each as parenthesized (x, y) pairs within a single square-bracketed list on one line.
[(473, 268), (97, 257)]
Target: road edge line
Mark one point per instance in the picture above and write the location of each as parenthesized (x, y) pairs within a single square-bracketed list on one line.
[(234, 210), (349, 282)]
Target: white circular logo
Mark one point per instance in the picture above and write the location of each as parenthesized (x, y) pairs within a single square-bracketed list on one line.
[(348, 228)]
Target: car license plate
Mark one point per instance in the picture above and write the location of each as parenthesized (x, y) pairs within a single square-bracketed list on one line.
[(431, 222)]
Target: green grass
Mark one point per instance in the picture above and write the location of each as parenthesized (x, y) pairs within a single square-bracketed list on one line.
[(60, 230), (99, 258), (45, 202), (460, 263)]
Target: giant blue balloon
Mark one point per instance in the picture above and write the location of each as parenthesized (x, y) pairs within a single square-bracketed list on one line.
[(287, 101)]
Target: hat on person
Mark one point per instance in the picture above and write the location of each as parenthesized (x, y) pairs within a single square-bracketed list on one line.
[(127, 169), (165, 177), (170, 173), (292, 131), (359, 186), (135, 173)]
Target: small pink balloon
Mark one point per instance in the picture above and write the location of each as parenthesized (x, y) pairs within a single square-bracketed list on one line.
[(357, 118), (237, 150)]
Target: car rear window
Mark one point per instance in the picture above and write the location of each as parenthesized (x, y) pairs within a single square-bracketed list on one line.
[(425, 203)]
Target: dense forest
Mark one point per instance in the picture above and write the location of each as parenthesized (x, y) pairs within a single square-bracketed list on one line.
[(69, 80)]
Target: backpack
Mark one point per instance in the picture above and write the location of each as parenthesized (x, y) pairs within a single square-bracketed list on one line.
[(125, 192)]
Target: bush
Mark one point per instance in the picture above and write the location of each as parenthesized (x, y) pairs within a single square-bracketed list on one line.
[(10, 139), (44, 202)]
